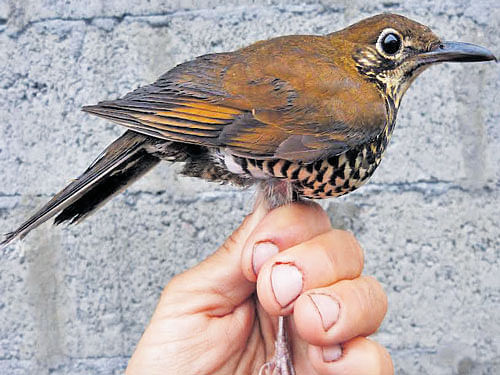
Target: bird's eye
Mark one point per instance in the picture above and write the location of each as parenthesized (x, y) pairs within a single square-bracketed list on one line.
[(389, 42)]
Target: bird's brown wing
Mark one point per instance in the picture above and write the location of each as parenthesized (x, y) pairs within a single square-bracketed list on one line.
[(282, 98)]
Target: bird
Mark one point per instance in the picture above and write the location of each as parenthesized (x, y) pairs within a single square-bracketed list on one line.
[(300, 116)]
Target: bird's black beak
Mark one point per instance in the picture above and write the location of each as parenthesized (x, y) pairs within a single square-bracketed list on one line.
[(456, 52)]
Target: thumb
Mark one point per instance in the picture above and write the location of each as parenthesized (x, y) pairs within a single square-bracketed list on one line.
[(217, 284)]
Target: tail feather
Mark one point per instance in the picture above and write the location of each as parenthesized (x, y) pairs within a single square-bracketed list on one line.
[(123, 162)]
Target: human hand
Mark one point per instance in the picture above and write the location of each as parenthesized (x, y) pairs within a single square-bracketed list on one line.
[(220, 317)]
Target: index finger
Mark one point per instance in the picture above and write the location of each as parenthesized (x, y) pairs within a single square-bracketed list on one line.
[(281, 229)]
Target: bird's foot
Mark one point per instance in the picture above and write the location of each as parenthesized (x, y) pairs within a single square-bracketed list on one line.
[(281, 364)]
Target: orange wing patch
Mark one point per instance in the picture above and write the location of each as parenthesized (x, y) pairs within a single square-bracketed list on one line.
[(170, 125), (212, 107), (179, 119), (167, 118)]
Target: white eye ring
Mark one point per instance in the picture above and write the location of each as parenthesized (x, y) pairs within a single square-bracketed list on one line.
[(380, 39)]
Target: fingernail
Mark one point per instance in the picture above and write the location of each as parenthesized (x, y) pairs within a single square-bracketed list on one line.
[(262, 251), (328, 309), (332, 353), (286, 281)]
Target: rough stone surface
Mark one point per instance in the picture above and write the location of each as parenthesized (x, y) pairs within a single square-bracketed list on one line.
[(76, 300)]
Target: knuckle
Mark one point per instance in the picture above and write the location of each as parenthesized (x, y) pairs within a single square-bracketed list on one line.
[(356, 249), (377, 293), (374, 295), (171, 286), (246, 221), (177, 284), (231, 242), (320, 213), (351, 250), (372, 303), (332, 262), (345, 260), (377, 357), (384, 361)]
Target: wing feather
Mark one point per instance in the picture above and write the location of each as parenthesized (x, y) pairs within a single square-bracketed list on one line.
[(269, 100)]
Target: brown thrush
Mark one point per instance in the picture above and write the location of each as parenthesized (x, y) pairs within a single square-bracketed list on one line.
[(303, 116)]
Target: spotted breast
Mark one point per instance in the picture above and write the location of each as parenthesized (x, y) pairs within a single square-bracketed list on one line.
[(331, 177)]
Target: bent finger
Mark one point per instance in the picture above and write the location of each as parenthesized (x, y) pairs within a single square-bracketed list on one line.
[(280, 229), (341, 311), (359, 356), (319, 262)]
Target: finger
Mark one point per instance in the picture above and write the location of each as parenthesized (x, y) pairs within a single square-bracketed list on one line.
[(339, 312), (359, 356), (282, 228), (319, 262), (217, 284)]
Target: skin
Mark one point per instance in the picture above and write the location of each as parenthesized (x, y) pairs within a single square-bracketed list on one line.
[(220, 316)]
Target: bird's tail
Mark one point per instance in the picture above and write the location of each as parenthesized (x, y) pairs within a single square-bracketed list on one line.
[(121, 163)]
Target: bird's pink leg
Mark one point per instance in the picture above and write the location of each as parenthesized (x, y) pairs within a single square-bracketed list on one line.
[(277, 193), (281, 364)]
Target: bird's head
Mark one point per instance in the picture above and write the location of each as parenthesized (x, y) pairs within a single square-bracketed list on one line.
[(391, 51)]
